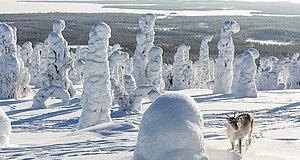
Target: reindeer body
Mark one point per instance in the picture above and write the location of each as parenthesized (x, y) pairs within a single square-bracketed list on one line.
[(238, 127)]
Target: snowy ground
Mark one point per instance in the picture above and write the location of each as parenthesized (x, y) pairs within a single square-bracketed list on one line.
[(53, 133)]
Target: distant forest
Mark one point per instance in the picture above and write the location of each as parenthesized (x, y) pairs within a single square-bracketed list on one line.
[(170, 32)]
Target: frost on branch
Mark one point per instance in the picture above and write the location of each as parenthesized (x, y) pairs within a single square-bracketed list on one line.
[(59, 59), (202, 66), (145, 39), (171, 129), (136, 97), (223, 67), (5, 129), (96, 98), (26, 53), (119, 94), (52, 91), (117, 62), (244, 69), (154, 69), (129, 83), (167, 73), (14, 78)]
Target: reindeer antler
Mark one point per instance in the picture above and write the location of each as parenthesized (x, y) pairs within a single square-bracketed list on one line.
[(227, 115), (234, 113)]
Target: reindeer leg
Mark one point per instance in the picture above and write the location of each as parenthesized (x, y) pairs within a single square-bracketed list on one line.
[(232, 144), (240, 145)]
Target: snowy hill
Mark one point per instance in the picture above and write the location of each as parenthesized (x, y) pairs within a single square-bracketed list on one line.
[(53, 133)]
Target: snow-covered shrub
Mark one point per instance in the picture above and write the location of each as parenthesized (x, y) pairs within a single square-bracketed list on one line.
[(244, 69), (117, 61), (13, 75), (136, 97), (26, 53), (120, 95), (202, 66), (154, 69), (223, 67), (129, 83), (52, 91), (167, 73), (5, 129), (171, 129), (96, 98), (42, 50), (145, 39), (291, 75), (59, 59)]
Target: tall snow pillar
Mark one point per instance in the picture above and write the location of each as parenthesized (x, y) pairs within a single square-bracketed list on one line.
[(145, 39), (96, 98), (224, 67)]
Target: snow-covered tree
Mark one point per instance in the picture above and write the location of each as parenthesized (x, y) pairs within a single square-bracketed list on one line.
[(145, 39), (171, 129), (291, 74), (154, 69), (81, 53), (136, 97), (96, 98), (52, 91), (26, 53), (167, 73), (223, 67), (129, 83), (13, 74), (117, 62), (244, 69), (202, 66), (120, 95), (5, 130), (59, 59)]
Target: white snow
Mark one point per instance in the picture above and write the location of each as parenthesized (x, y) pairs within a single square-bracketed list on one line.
[(5, 129), (171, 129)]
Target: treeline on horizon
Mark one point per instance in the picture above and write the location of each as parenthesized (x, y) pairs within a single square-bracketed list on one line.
[(169, 32)]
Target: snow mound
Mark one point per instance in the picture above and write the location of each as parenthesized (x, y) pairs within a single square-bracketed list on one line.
[(52, 91), (171, 129), (5, 129)]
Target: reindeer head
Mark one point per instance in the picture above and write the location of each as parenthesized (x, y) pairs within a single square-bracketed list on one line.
[(233, 122)]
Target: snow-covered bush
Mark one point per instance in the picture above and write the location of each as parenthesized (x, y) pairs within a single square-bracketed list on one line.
[(145, 39), (223, 67), (244, 69), (183, 79), (136, 97), (52, 91), (154, 69), (291, 75), (96, 98), (5, 129), (129, 83), (202, 66), (13, 74), (59, 59), (120, 95), (167, 73), (171, 129)]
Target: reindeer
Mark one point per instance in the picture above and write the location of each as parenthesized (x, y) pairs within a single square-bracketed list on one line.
[(238, 127)]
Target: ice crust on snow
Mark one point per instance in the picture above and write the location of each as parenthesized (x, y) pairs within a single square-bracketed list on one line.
[(171, 129), (96, 98), (5, 129), (223, 67)]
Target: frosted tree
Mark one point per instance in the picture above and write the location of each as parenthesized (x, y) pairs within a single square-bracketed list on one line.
[(79, 65), (268, 80), (120, 95), (136, 97), (96, 98), (42, 50), (128, 67), (117, 62), (164, 136), (26, 53), (223, 67), (59, 59), (167, 73), (202, 66), (13, 74), (278, 69), (145, 39), (295, 57), (154, 69), (129, 83), (244, 68), (291, 76), (5, 130), (183, 69)]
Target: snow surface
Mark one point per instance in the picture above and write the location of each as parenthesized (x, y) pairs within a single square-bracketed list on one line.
[(171, 129), (5, 129)]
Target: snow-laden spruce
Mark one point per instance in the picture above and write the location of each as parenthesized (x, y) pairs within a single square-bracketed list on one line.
[(14, 77), (171, 128), (129, 83), (154, 69), (120, 96), (167, 73), (81, 53), (223, 67), (59, 59), (202, 66), (96, 98), (35, 66), (291, 73), (26, 53), (52, 91), (183, 67), (145, 39), (42, 50), (244, 69), (5, 129), (136, 97)]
